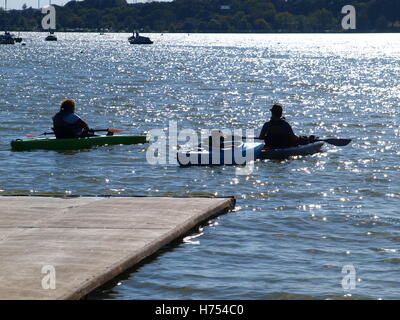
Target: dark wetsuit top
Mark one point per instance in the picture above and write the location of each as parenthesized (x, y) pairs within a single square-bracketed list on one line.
[(64, 125), (277, 133)]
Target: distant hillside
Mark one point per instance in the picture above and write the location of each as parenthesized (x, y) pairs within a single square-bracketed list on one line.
[(212, 16)]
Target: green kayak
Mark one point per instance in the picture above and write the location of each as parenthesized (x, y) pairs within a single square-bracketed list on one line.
[(74, 144)]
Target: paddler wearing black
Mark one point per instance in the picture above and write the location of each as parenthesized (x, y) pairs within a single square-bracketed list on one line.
[(278, 133), (67, 124)]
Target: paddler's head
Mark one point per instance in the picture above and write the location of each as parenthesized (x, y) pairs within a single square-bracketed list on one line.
[(277, 110), (68, 105)]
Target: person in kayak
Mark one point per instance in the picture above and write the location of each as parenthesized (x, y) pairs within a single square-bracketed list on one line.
[(67, 124), (278, 133)]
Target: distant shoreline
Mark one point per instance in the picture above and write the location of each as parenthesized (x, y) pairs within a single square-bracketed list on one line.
[(199, 16)]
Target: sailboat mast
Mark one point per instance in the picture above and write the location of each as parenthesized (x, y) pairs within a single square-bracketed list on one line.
[(5, 9)]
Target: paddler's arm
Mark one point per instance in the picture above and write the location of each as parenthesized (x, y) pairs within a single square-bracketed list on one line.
[(82, 124), (263, 132), (295, 138), (76, 121)]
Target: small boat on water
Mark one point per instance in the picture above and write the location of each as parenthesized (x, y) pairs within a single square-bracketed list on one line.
[(18, 39), (77, 143), (229, 155), (7, 38), (51, 37), (136, 39)]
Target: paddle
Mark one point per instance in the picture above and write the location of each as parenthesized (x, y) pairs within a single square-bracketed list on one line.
[(37, 135), (332, 141), (94, 130), (336, 142), (109, 130)]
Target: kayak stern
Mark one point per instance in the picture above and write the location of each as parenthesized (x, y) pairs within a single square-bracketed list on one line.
[(283, 153)]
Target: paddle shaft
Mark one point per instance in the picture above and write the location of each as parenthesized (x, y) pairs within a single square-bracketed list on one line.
[(108, 130), (93, 130), (334, 141)]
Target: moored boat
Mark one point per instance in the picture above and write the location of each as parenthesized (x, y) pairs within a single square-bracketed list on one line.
[(136, 39), (17, 39), (7, 38), (51, 37), (76, 144)]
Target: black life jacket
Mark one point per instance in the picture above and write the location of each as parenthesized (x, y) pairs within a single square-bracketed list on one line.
[(279, 134), (61, 128)]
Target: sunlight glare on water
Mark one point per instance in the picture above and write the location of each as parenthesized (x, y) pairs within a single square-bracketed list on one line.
[(297, 222)]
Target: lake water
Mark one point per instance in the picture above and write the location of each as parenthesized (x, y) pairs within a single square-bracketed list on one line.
[(297, 223)]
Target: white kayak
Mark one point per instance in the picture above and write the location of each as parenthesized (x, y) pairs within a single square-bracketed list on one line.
[(282, 153), (235, 153)]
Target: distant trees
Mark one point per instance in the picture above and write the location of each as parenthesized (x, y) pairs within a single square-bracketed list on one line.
[(212, 16), (261, 25)]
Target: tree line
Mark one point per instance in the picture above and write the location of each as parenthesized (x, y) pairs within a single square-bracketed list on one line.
[(210, 16)]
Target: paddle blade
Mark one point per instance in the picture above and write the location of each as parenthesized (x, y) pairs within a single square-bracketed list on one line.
[(33, 135), (37, 135), (337, 142), (108, 130)]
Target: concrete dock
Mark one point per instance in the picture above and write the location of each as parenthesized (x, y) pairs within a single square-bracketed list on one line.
[(63, 248)]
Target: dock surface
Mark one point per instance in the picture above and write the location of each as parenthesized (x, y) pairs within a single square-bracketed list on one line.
[(79, 244)]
